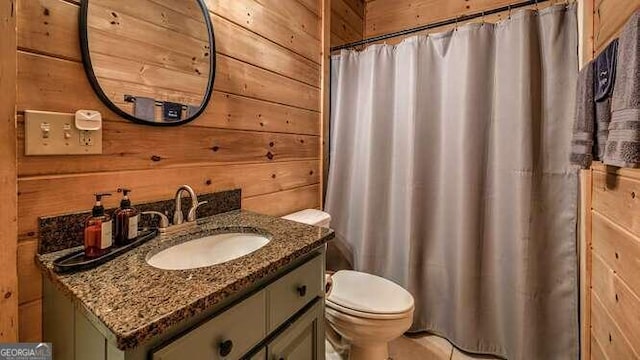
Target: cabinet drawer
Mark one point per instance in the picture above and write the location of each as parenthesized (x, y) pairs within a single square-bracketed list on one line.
[(293, 291), (242, 327)]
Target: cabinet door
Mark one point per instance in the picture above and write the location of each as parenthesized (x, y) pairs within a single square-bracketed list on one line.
[(302, 340), (228, 336)]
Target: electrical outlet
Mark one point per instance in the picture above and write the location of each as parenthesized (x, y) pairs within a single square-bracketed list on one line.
[(86, 138), (48, 133)]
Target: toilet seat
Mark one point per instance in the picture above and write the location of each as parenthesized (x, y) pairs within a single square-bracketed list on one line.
[(368, 315), (368, 296)]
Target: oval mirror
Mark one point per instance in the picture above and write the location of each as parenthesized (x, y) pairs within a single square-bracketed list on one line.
[(150, 61)]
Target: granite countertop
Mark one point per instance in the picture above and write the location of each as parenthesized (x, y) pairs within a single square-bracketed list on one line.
[(136, 301)]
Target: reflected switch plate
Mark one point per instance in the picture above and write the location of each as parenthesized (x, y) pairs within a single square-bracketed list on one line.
[(50, 133)]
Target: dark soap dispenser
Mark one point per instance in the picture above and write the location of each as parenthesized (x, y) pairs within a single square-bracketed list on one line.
[(98, 230), (126, 218)]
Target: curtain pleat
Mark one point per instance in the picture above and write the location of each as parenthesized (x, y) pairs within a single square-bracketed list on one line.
[(449, 174)]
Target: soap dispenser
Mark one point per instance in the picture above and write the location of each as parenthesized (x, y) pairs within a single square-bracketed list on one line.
[(126, 218), (97, 230)]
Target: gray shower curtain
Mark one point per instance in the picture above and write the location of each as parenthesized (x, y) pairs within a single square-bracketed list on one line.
[(449, 174)]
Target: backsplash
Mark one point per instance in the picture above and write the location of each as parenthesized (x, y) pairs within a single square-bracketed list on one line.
[(66, 231)]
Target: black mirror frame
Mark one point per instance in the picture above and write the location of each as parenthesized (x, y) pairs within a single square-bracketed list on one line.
[(88, 68)]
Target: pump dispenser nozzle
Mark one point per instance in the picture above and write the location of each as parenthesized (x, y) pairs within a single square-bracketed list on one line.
[(126, 202), (98, 209)]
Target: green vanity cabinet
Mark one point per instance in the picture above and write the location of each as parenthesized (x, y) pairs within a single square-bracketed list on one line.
[(281, 317), (304, 340)]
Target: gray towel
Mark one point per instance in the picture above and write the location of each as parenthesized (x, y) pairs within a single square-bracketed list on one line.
[(145, 108), (604, 68), (623, 143), (192, 110), (584, 122), (603, 119)]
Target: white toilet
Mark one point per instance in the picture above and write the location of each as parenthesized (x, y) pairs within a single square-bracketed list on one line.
[(367, 311)]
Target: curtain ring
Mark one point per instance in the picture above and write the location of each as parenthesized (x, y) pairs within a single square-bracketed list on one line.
[(509, 8), (456, 25), (482, 19)]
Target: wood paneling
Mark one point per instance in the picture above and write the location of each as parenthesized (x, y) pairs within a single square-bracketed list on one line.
[(619, 301), (615, 255), (31, 321), (608, 334), (387, 16), (279, 204), (347, 21), (36, 199), (618, 197), (609, 18), (326, 94), (619, 248), (8, 200), (262, 131), (585, 31), (29, 277), (596, 350), (271, 24), (585, 235)]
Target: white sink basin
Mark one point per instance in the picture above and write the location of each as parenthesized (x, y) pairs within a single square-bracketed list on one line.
[(207, 251)]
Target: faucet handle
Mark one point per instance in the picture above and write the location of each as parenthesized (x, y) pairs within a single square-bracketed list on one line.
[(164, 220), (192, 212)]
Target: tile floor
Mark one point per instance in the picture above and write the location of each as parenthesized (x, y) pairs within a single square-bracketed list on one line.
[(422, 347)]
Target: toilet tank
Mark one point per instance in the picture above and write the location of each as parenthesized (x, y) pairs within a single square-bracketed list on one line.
[(310, 217)]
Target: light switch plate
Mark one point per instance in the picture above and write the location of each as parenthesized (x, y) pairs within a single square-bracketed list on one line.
[(50, 133)]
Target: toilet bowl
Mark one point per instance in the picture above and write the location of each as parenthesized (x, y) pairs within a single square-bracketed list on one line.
[(366, 311)]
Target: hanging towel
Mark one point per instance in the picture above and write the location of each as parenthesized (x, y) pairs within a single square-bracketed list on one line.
[(623, 143), (145, 108), (192, 110), (604, 73), (584, 122)]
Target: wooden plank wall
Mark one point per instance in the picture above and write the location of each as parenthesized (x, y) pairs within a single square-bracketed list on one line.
[(609, 18), (610, 290), (615, 265), (347, 21), (387, 16), (8, 200), (261, 132)]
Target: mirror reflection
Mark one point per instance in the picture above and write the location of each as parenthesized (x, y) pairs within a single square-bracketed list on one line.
[(151, 61)]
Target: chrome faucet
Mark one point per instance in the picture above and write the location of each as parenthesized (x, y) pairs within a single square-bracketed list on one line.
[(178, 217)]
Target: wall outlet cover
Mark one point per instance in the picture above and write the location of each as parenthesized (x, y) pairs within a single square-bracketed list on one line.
[(50, 133)]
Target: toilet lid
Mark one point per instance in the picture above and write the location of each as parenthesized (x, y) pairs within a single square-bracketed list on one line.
[(368, 293)]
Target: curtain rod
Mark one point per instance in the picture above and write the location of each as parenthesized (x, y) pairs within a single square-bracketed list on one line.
[(437, 24)]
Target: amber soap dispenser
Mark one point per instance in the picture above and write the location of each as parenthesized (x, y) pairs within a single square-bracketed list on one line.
[(126, 218), (98, 230)]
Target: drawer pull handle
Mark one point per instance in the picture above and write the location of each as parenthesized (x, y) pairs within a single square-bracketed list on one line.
[(226, 347), (302, 290)]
